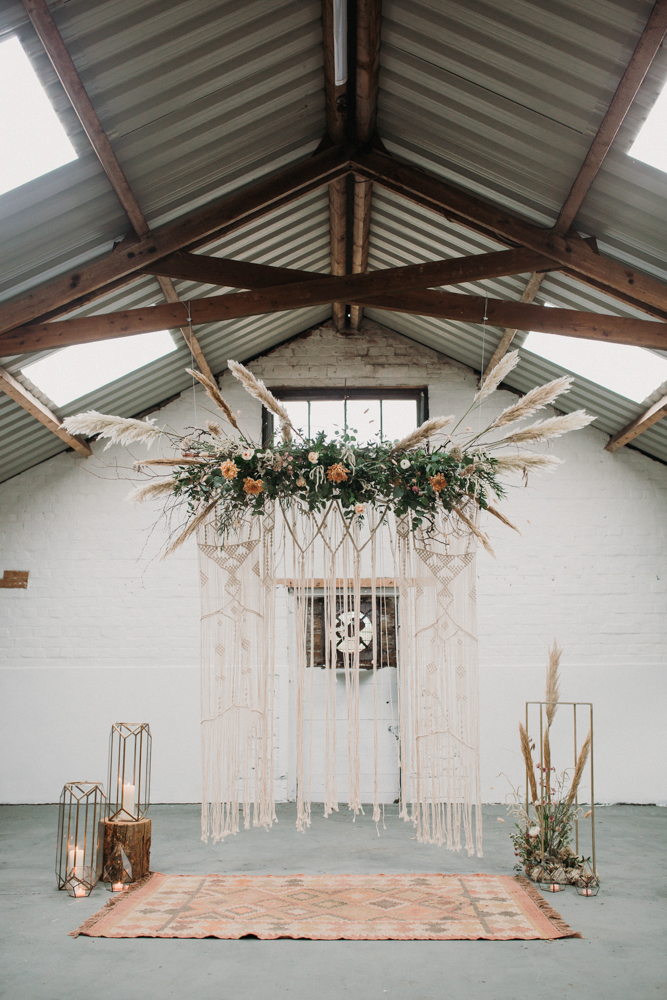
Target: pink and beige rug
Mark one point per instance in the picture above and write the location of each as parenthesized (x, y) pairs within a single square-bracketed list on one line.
[(329, 907)]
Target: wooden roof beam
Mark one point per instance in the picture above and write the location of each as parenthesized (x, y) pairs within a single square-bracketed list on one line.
[(68, 75), (195, 229), (377, 289), (336, 114), (644, 54), (528, 295), (369, 18), (569, 252), (39, 411), (638, 426)]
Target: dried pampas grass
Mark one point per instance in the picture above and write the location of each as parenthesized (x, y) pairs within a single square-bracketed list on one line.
[(119, 430), (190, 528), (533, 401), (214, 429), (501, 517), (479, 535), (579, 769), (256, 388), (552, 693), (544, 430), (168, 461), (152, 490), (422, 433), (213, 393), (524, 461), (496, 375), (528, 758)]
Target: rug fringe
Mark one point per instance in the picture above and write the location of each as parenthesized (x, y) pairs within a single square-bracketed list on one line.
[(547, 909), (88, 924)]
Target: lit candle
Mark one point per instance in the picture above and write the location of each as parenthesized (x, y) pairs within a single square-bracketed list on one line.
[(128, 799), (117, 886), (75, 860), (555, 887), (587, 892), (80, 890)]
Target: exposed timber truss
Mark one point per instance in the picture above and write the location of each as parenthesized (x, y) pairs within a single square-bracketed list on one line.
[(350, 161)]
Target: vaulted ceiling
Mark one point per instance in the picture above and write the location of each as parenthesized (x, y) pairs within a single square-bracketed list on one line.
[(495, 130)]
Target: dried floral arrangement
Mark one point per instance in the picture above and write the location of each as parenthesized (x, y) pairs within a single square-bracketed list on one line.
[(547, 814), (227, 475)]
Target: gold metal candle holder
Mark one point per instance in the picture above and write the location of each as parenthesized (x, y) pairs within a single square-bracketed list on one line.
[(78, 846), (578, 708), (129, 771)]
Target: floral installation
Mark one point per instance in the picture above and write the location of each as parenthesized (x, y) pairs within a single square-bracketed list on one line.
[(546, 816), (231, 475)]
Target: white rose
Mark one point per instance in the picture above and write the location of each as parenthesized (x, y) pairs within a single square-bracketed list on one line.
[(313, 456), (405, 464), (534, 831), (247, 454)]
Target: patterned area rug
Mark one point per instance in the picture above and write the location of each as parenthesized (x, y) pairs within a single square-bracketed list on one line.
[(329, 907)]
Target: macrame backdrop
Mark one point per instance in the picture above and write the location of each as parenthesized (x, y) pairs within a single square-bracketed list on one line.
[(430, 579)]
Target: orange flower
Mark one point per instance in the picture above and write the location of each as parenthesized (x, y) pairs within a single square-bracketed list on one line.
[(438, 482), (253, 485), (229, 469), (337, 473)]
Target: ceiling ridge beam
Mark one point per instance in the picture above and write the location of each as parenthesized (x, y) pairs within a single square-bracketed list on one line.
[(13, 388), (369, 19), (336, 116), (639, 65), (638, 425)]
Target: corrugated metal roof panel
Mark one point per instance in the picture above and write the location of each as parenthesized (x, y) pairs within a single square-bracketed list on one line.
[(200, 98)]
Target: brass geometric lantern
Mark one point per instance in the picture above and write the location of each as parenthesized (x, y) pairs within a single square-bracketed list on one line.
[(78, 846), (129, 771)]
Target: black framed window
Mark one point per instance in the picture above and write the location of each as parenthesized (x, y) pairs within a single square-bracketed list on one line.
[(374, 414)]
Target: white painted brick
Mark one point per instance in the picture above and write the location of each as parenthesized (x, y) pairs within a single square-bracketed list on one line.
[(105, 628)]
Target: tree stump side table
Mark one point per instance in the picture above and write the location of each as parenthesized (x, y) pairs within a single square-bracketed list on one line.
[(135, 839)]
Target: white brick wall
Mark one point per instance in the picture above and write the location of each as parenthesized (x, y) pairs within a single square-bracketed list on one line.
[(106, 631)]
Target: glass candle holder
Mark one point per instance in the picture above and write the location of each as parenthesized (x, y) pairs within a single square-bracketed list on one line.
[(118, 871), (78, 844), (588, 885), (129, 771), (80, 881)]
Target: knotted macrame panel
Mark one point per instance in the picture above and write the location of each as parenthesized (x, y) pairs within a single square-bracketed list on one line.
[(237, 675), (342, 563), (439, 686)]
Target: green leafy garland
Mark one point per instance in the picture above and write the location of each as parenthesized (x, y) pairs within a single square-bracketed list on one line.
[(314, 472)]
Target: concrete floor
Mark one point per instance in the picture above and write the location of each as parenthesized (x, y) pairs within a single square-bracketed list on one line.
[(621, 956)]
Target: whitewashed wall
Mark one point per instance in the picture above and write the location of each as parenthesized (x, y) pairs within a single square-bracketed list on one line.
[(106, 631)]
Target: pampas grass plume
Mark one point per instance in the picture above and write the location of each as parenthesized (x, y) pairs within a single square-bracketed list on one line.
[(579, 769), (213, 393), (119, 430), (422, 433), (552, 693), (553, 427), (151, 490), (528, 758), (256, 388), (497, 375), (526, 460), (536, 399)]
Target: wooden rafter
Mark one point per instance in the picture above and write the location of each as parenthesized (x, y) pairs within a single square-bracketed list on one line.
[(643, 56), (37, 409), (68, 75), (336, 115), (528, 295), (195, 229), (369, 16), (639, 425), (571, 252)]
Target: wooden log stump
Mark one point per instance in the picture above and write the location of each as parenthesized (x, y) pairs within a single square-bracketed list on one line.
[(134, 838)]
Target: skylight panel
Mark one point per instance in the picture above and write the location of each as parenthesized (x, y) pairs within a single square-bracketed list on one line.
[(650, 146), (75, 371), (630, 371), (32, 139)]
